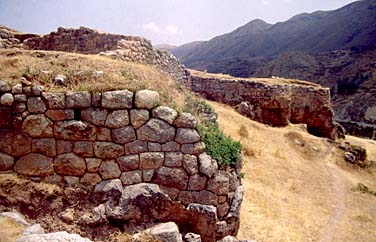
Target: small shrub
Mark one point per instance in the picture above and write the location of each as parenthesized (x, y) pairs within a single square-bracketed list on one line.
[(363, 189), (243, 131), (247, 151)]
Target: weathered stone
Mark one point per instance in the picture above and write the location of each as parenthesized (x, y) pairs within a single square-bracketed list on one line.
[(350, 157), (56, 237), (236, 202), (222, 199), (90, 179), (190, 164), (17, 121), (16, 217), (222, 210), (60, 115), (4, 86), (193, 149), (171, 146), (6, 162), (80, 99), (72, 181), (154, 147), (15, 143), (54, 179), (54, 100), (135, 147), (156, 131), (34, 165), (128, 163), (69, 164), (173, 159), (165, 113), (123, 135), (172, 192), (146, 99), (38, 126), (139, 117), (20, 98), (208, 198), (219, 184), (147, 175), (74, 130), (151, 160), (117, 119), (5, 117), (93, 164), (187, 197), (64, 146), (7, 99), (109, 169), (33, 229), (96, 99), (171, 177), (187, 136), (191, 237), (60, 80), (37, 90), (203, 219), (117, 99), (67, 216), (45, 146), (25, 114), (96, 116), (166, 232), (17, 89), (197, 182), (108, 150), (229, 238), (207, 165), (83, 148), (185, 120), (27, 90), (36, 105), (19, 107), (131, 177), (110, 189), (103, 134), (95, 217)]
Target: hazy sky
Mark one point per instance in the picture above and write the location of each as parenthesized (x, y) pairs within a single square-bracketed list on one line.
[(162, 21)]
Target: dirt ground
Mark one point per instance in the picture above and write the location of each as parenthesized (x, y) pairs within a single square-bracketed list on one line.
[(298, 187)]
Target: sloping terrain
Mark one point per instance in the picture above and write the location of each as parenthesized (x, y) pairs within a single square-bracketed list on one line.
[(298, 187)]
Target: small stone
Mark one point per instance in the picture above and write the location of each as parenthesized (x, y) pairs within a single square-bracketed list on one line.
[(173, 159), (36, 105), (19, 107), (151, 160), (110, 189), (69, 164), (34, 164), (90, 179), (4, 86), (54, 179), (83, 148), (166, 232), (146, 99), (17, 89), (96, 116), (156, 131), (46, 146), (135, 147), (93, 164), (37, 90), (147, 175), (20, 98), (117, 99), (67, 216), (171, 146), (98, 74), (78, 99), (207, 165), (187, 136), (17, 121), (54, 100), (139, 117), (190, 164), (131, 177), (128, 163), (96, 99), (72, 181), (38, 126), (64, 146), (7, 99), (60, 115), (186, 120), (171, 177), (117, 119), (108, 150), (191, 237), (350, 157), (27, 90), (109, 169), (197, 182), (60, 80), (165, 113), (154, 147), (123, 135), (6, 162)]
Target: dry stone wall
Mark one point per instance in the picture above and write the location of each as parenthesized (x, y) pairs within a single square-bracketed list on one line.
[(124, 138), (273, 104)]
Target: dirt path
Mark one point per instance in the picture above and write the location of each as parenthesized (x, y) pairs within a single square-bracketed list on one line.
[(340, 188)]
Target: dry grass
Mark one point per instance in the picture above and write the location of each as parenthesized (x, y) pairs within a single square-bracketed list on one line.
[(9, 230), (41, 67), (288, 184)]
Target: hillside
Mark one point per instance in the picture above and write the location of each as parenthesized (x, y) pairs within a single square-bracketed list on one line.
[(298, 188)]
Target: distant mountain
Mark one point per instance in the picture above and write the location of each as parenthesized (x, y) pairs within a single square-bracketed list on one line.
[(336, 49), (167, 47)]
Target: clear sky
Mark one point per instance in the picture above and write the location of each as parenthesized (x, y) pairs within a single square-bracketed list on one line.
[(162, 21)]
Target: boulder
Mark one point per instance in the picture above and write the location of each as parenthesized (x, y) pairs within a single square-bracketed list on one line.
[(117, 99), (165, 113), (156, 131), (109, 189), (219, 183), (69, 164), (74, 130), (38, 126), (166, 232), (55, 237), (171, 177), (17, 89), (15, 142), (190, 164), (117, 119), (146, 99), (34, 164), (187, 136)]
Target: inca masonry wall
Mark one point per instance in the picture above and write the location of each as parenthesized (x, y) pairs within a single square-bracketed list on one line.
[(83, 138)]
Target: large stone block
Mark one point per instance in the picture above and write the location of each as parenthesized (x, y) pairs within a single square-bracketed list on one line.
[(54, 100), (90, 179), (74, 130), (139, 117), (7, 99), (38, 126), (83, 148), (166, 232), (151, 160), (34, 165), (93, 164), (15, 142), (219, 184), (185, 120), (96, 116), (135, 147), (146, 99), (187, 136), (6, 162), (60, 115), (165, 113), (117, 119), (108, 150), (117, 99), (123, 135), (190, 164), (36, 105), (197, 182), (173, 159), (80, 99), (64, 146), (131, 177), (128, 163), (46, 146), (69, 164), (109, 169), (171, 177), (156, 131), (207, 165)]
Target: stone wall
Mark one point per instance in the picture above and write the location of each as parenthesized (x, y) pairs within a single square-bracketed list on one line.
[(122, 47), (272, 103), (119, 137)]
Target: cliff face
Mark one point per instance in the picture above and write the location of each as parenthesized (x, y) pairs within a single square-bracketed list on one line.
[(273, 101)]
